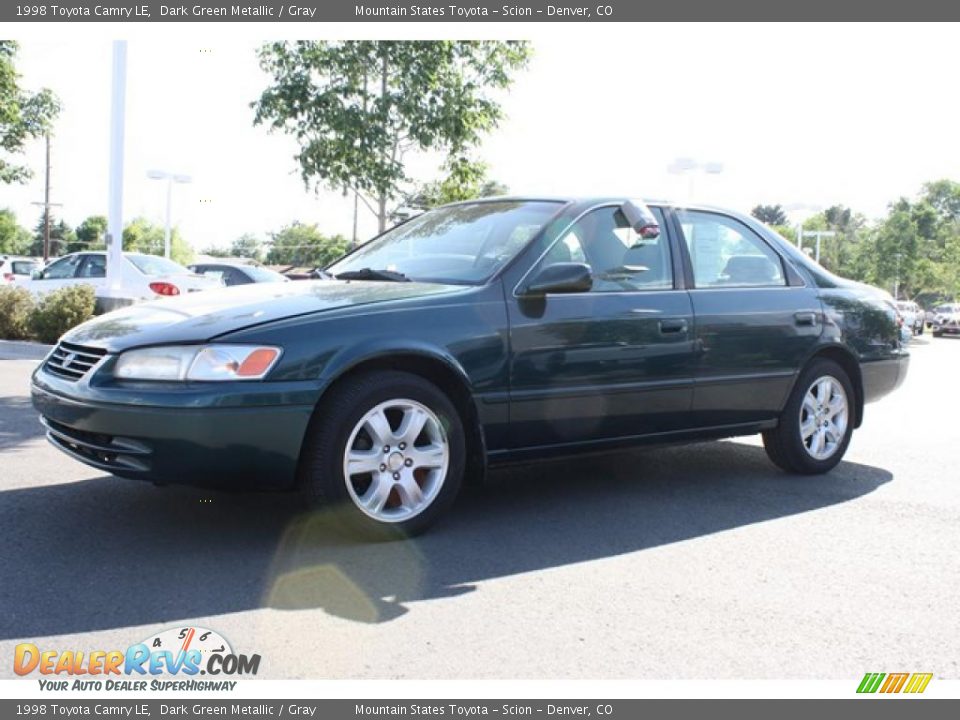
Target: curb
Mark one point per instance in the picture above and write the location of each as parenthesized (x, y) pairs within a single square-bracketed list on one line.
[(23, 350)]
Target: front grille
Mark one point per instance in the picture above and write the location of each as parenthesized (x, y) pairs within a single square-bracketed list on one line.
[(108, 452), (72, 362)]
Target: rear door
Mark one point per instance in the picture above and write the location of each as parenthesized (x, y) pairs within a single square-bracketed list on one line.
[(756, 321), (613, 362)]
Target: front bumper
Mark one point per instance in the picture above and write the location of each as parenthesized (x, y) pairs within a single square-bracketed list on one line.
[(946, 329), (210, 446)]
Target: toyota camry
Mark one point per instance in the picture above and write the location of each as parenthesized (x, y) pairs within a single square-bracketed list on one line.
[(508, 329)]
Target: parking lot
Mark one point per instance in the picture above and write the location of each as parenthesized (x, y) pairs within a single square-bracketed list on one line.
[(701, 561)]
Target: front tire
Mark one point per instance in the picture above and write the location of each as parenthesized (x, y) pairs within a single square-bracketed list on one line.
[(817, 423), (387, 452)]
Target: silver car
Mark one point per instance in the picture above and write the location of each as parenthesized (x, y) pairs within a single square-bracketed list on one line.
[(946, 320)]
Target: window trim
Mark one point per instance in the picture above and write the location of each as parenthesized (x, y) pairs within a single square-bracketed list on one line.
[(785, 267), (677, 283)]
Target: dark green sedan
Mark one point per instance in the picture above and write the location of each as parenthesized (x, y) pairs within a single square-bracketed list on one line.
[(480, 333)]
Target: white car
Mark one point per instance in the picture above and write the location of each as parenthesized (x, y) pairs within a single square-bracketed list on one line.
[(947, 320), (912, 314), (145, 277), (16, 270)]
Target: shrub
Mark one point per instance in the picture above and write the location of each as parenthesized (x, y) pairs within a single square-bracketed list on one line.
[(61, 310), (16, 304)]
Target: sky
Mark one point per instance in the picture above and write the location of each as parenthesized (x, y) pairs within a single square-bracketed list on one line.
[(797, 114)]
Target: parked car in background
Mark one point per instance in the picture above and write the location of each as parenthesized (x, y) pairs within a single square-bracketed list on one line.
[(912, 314), (145, 277), (235, 273), (946, 320), (14, 270), (484, 332)]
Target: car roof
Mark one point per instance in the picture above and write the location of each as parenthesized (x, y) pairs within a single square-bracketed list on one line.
[(228, 263), (587, 200)]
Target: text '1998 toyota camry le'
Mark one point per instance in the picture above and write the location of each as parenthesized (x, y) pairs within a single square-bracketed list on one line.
[(477, 333)]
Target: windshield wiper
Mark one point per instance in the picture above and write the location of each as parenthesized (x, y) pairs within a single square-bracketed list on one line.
[(371, 274)]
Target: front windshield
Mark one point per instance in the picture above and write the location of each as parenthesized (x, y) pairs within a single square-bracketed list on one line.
[(155, 266), (460, 244)]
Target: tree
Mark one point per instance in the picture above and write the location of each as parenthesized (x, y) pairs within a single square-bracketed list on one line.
[(304, 246), (14, 239), (357, 107), (465, 180), (23, 116), (61, 236), (248, 246), (216, 252), (772, 215), (91, 234), (837, 253), (140, 235)]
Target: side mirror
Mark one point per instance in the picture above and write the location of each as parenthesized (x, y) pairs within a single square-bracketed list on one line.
[(564, 277), (36, 275), (641, 219)]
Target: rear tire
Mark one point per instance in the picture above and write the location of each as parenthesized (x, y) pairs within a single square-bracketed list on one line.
[(387, 453), (817, 423)]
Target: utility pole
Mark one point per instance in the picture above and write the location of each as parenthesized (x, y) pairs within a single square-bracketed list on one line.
[(47, 205)]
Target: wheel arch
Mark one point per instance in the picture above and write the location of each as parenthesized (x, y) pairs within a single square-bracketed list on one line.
[(845, 358), (434, 366)]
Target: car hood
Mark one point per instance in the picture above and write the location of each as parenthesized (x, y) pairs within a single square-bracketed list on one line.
[(201, 316)]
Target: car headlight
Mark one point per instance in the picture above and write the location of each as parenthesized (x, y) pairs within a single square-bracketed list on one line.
[(197, 362)]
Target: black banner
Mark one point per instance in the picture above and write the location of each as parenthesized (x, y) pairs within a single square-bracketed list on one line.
[(473, 11), (454, 709)]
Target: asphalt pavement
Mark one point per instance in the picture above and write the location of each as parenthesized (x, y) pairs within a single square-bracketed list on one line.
[(700, 561)]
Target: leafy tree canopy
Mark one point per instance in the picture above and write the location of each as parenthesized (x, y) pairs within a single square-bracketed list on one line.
[(772, 215), (14, 239), (140, 235), (304, 246), (356, 108), (23, 116), (465, 180), (248, 245)]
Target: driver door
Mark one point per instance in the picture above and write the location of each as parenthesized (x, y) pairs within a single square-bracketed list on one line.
[(614, 362)]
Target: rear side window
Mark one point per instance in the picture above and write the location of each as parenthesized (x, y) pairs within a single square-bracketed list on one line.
[(726, 253), (23, 267)]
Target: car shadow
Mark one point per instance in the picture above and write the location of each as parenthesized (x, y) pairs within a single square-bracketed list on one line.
[(18, 422), (107, 553)]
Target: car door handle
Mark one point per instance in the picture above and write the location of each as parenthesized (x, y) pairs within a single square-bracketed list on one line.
[(806, 319), (673, 326)]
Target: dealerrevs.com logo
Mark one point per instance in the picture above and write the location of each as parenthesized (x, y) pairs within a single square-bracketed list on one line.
[(185, 652), (891, 683)]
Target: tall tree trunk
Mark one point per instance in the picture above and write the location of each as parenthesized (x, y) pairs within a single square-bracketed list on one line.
[(382, 211)]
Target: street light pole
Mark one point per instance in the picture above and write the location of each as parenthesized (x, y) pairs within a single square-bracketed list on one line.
[(114, 237), (166, 224), (171, 178)]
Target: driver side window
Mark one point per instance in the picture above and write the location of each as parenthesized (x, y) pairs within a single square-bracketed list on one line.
[(63, 268), (621, 260)]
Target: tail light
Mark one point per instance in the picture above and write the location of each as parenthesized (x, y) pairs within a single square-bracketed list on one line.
[(164, 288), (8, 277)]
